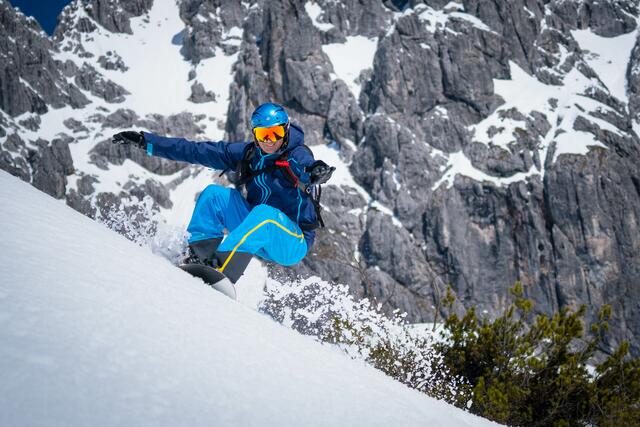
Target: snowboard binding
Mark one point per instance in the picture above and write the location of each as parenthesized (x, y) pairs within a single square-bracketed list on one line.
[(220, 270)]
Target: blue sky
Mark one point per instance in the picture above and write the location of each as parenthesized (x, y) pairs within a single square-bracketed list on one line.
[(45, 11)]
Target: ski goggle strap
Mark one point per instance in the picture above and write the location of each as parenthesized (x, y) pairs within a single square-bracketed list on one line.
[(272, 133)]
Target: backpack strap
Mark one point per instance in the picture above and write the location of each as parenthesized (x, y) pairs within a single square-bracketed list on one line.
[(243, 165), (292, 177)]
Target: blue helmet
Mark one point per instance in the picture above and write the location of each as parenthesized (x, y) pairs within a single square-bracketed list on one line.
[(269, 115)]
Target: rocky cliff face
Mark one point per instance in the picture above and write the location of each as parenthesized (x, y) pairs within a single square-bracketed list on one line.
[(488, 142), (32, 83)]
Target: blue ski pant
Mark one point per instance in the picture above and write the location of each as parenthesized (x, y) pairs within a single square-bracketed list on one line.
[(264, 230)]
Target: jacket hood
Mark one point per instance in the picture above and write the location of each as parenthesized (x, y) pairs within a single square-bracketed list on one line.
[(296, 137)]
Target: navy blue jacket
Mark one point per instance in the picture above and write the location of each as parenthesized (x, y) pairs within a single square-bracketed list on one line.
[(271, 187)]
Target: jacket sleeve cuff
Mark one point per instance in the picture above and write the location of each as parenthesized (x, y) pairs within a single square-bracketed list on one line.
[(147, 137)]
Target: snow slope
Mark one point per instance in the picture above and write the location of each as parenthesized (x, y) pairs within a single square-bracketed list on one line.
[(95, 330)]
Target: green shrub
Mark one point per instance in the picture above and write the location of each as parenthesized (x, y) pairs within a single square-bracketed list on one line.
[(534, 372)]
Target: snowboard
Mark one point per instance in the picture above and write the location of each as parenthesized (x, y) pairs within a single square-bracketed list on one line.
[(211, 277)]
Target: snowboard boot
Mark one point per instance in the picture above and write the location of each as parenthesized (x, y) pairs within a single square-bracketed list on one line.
[(233, 268), (203, 252)]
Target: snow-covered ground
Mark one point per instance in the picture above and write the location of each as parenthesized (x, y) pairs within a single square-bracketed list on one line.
[(95, 330)]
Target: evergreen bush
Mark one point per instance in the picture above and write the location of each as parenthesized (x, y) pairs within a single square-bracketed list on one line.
[(535, 372)]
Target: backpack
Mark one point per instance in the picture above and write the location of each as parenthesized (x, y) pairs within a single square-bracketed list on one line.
[(245, 175)]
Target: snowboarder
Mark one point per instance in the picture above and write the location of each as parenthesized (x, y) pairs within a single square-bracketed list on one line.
[(277, 219)]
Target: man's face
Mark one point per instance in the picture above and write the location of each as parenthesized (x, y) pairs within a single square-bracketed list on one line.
[(270, 138), (269, 146)]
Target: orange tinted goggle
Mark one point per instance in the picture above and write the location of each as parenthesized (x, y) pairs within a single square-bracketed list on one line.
[(272, 133)]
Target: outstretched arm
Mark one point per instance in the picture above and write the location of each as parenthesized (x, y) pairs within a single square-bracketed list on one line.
[(216, 155)]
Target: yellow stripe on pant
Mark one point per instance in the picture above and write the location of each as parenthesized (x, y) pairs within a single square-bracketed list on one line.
[(266, 221)]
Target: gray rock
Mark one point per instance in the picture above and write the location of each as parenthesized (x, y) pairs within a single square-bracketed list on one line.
[(115, 16), (385, 140), (51, 164), (208, 26), (308, 84), (13, 157), (599, 94), (105, 153), (75, 125), (415, 70), (548, 62), (406, 73), (291, 55), (611, 139), (352, 18), (76, 98), (633, 82), (466, 76), (182, 124), (120, 119), (445, 131), (44, 164), (598, 220), (23, 43), (80, 203), (199, 95), (314, 126), (496, 161), (29, 76), (518, 22), (89, 79), (158, 192), (344, 119), (31, 123), (521, 154), (112, 61), (85, 185), (461, 236), (607, 19), (81, 199), (395, 252)]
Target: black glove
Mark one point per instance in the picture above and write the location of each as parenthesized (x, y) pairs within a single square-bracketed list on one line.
[(130, 137), (320, 172)]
